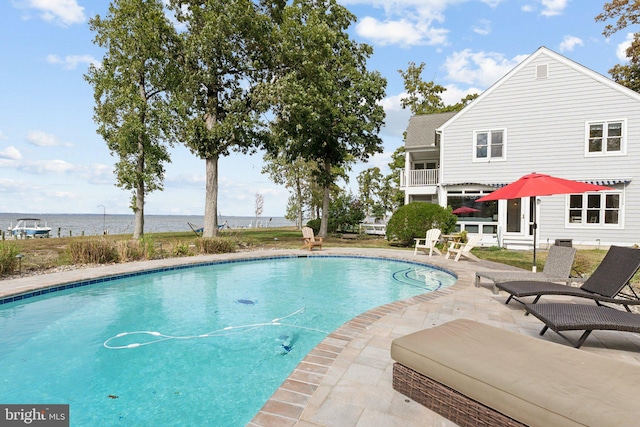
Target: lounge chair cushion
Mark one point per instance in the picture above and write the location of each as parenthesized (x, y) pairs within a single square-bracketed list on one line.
[(528, 379)]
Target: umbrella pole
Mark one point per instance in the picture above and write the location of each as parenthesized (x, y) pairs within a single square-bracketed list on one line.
[(534, 267)]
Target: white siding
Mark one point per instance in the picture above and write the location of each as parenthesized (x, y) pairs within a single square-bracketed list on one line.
[(545, 133)]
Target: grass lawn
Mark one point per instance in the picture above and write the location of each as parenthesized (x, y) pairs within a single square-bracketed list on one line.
[(42, 254)]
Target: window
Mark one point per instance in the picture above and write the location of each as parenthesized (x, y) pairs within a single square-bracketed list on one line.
[(595, 209), (542, 71), (489, 145), (606, 138)]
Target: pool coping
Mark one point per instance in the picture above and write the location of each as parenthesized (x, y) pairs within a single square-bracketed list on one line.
[(287, 403)]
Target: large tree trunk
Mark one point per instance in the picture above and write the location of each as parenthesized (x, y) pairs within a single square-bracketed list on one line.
[(324, 222), (211, 198), (299, 201), (138, 228)]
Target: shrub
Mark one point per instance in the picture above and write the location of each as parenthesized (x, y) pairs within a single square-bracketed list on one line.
[(413, 220), (8, 260), (94, 251), (135, 250), (181, 249), (215, 246), (315, 225)]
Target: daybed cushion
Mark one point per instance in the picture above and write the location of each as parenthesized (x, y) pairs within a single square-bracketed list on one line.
[(536, 382)]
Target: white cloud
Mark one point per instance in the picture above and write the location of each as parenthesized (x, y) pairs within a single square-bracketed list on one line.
[(479, 68), (10, 153), (3, 136), (393, 103), (553, 7), (100, 174), (43, 139), (63, 12), (569, 43), (483, 27), (401, 32), (621, 50), (71, 62), (454, 94), (46, 166)]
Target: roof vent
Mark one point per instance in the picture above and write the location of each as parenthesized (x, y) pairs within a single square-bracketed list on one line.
[(542, 71)]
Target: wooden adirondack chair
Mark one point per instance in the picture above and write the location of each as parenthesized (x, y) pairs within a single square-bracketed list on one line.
[(309, 239)]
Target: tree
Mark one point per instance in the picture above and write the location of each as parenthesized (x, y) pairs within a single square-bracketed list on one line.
[(325, 101), (223, 57), (297, 176), (132, 111), (369, 186), (259, 206), (628, 13), (346, 212), (422, 97), (425, 97)]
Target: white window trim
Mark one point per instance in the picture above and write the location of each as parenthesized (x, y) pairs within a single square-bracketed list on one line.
[(623, 145), (489, 159), (601, 225)]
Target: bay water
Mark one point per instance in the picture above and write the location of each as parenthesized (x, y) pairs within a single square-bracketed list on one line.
[(65, 225)]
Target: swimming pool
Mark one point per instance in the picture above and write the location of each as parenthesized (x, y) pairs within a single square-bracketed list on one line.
[(218, 339)]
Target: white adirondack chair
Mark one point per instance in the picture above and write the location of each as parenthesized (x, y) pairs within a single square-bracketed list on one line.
[(430, 241), (460, 249)]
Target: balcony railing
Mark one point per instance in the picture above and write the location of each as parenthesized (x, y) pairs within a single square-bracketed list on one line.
[(419, 178)]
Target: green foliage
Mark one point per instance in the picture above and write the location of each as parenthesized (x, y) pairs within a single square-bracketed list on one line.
[(425, 97), (130, 86), (325, 102), (315, 225), (224, 52), (627, 13), (422, 97), (8, 260), (345, 213), (215, 246), (413, 220), (181, 248), (92, 251)]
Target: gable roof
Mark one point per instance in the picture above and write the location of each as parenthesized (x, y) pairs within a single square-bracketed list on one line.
[(557, 57), (421, 130)]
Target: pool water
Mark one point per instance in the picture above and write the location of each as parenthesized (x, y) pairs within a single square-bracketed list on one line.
[(218, 340)]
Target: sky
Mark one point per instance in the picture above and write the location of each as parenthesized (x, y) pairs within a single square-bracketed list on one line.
[(53, 161)]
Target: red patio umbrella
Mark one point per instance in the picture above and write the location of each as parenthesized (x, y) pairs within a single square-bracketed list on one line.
[(464, 210), (535, 185)]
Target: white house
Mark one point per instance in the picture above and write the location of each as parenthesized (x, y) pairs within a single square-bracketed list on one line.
[(548, 115)]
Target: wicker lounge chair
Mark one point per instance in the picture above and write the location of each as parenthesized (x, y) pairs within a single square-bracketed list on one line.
[(309, 239), (607, 281), (430, 241), (557, 268), (561, 317)]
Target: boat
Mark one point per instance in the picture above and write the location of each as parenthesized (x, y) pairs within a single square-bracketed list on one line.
[(29, 227)]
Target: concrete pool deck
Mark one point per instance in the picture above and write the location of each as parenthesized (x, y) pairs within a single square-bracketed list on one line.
[(346, 379)]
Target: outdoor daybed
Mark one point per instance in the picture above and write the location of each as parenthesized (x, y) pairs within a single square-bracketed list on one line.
[(476, 374)]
